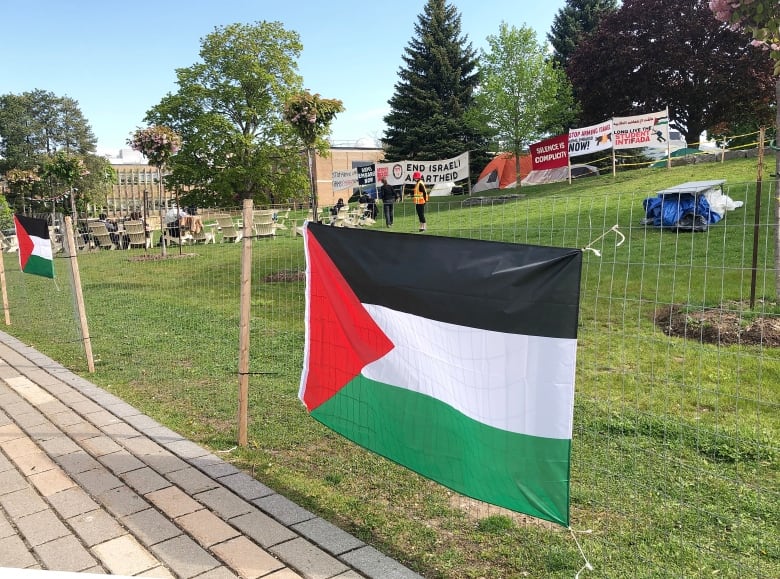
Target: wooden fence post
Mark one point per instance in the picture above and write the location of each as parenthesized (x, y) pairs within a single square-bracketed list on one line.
[(75, 280), (244, 318)]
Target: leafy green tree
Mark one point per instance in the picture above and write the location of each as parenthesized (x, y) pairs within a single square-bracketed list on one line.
[(573, 22), (86, 177), (520, 90), (64, 171), (310, 116), (17, 128), (94, 185), (37, 124), (6, 215), (651, 54), (38, 131), (760, 19), (429, 110), (229, 112), (21, 185)]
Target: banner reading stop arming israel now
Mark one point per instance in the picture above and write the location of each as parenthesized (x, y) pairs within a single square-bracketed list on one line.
[(590, 139)]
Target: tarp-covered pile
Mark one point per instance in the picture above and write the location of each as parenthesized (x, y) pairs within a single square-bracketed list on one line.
[(692, 206)]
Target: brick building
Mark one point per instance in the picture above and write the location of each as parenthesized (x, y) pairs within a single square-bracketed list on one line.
[(137, 182)]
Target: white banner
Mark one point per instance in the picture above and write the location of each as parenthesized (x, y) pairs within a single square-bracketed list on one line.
[(445, 171), (345, 179), (650, 130), (590, 139)]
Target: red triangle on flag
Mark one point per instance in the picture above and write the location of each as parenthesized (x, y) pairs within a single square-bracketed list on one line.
[(342, 336), (25, 243)]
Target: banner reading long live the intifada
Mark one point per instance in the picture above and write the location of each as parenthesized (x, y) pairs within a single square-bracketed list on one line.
[(649, 130), (443, 171)]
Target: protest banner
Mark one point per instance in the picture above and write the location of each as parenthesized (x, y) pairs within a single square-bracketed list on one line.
[(443, 171)]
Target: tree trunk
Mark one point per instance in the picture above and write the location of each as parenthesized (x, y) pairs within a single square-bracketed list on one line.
[(313, 201), (777, 191), (163, 249), (693, 136)]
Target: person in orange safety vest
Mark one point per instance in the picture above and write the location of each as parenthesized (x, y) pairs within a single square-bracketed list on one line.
[(420, 197)]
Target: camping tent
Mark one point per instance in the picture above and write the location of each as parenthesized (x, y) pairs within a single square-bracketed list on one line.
[(559, 174), (501, 173), (674, 154), (446, 188)]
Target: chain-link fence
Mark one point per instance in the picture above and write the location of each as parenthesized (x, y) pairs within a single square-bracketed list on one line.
[(676, 426)]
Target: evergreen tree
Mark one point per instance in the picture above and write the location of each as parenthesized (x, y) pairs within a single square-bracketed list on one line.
[(429, 111), (574, 21)]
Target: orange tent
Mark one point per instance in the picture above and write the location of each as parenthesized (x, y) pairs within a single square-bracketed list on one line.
[(500, 173)]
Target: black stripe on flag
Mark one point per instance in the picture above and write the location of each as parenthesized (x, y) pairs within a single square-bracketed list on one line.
[(34, 227), (504, 287)]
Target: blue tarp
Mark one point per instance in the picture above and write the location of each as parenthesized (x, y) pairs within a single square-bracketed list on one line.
[(681, 211)]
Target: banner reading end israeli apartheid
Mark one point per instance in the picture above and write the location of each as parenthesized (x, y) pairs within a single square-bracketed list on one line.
[(443, 171)]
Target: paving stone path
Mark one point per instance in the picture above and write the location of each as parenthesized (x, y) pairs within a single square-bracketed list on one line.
[(90, 484)]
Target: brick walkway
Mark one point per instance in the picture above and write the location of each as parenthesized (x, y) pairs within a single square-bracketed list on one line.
[(89, 484)]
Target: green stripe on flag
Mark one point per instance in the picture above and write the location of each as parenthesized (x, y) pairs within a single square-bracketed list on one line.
[(39, 266), (520, 472)]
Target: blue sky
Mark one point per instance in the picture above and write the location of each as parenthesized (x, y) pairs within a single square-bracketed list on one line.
[(118, 59)]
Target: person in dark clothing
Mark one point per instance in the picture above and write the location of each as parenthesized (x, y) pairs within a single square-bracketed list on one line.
[(337, 207), (112, 229), (388, 196), (370, 200)]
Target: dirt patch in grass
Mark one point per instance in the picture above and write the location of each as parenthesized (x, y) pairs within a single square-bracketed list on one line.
[(730, 324), (285, 275), (497, 200), (477, 510), (159, 257)]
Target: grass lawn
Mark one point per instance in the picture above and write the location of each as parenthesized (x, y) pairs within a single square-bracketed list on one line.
[(675, 447)]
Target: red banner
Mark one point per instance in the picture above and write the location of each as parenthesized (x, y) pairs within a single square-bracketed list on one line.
[(551, 153)]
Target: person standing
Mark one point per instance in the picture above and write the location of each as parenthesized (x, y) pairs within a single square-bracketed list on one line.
[(388, 196), (420, 197)]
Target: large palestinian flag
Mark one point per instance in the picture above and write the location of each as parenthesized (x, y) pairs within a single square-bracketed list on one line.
[(452, 357), (35, 254)]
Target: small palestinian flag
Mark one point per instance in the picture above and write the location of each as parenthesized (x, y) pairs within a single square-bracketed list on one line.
[(35, 255), (452, 357)]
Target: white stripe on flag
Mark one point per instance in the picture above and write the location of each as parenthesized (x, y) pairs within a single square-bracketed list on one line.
[(522, 384), (41, 247)]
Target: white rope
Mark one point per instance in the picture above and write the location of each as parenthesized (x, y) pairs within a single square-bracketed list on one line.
[(615, 229), (587, 564)]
